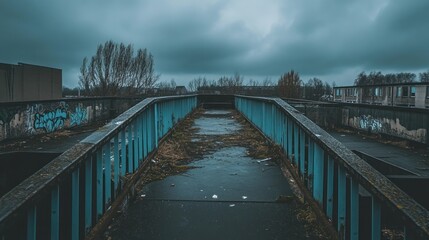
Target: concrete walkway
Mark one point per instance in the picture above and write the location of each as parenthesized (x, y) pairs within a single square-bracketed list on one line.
[(227, 195), (56, 142), (409, 159)]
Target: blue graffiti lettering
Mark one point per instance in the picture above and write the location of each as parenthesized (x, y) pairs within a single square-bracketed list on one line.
[(370, 123), (50, 121), (78, 117)]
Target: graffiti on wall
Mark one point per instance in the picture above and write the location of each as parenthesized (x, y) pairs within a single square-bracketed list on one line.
[(370, 123), (26, 119), (78, 117), (50, 121), (387, 126)]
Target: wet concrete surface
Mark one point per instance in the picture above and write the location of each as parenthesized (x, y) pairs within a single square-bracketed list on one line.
[(56, 142), (413, 161), (212, 125), (227, 195), (227, 174), (210, 220)]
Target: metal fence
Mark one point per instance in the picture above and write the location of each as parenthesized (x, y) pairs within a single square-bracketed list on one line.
[(67, 197), (355, 198)]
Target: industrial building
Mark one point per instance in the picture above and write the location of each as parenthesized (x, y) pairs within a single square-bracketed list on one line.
[(27, 82)]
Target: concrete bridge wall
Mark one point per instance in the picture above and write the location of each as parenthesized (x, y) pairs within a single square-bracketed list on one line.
[(407, 123), (23, 119), (401, 122)]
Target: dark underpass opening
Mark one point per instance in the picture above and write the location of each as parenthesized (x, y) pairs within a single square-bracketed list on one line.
[(15, 167)]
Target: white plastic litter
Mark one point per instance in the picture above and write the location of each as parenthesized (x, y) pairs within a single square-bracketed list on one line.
[(264, 160)]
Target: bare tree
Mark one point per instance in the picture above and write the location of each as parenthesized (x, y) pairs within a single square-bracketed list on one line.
[(197, 83), (375, 78), (167, 85), (424, 77), (114, 69), (267, 82), (253, 83), (314, 89), (289, 85)]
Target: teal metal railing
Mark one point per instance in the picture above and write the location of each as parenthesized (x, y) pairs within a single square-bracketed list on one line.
[(338, 180), (69, 196)]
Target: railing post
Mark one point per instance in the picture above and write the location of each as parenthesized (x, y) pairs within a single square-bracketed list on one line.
[(123, 154), (156, 124), (330, 188), (75, 205), (116, 164), (136, 144), (140, 135), (342, 179), (354, 209), (55, 213), (289, 138), (278, 127), (273, 123), (88, 194), (295, 144), (146, 131), (149, 129), (310, 164), (318, 174), (302, 152), (130, 148), (107, 175), (263, 117), (284, 133), (99, 200), (31, 223), (375, 219)]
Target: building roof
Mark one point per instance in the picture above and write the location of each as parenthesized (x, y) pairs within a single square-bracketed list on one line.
[(387, 85)]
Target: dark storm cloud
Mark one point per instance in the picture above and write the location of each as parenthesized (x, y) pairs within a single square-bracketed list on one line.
[(217, 37), (392, 37), (43, 33)]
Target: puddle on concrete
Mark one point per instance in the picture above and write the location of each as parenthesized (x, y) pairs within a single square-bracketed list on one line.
[(216, 126), (216, 122), (229, 174), (230, 155), (217, 112)]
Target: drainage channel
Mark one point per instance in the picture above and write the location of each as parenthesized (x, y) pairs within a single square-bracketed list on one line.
[(221, 180)]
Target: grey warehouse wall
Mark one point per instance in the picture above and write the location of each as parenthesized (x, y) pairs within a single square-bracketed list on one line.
[(25, 82)]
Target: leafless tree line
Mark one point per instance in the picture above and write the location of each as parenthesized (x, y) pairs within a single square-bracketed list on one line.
[(115, 70), (232, 82), (374, 78), (289, 85)]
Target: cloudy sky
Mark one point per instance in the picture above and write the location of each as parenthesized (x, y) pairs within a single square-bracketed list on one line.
[(333, 40)]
